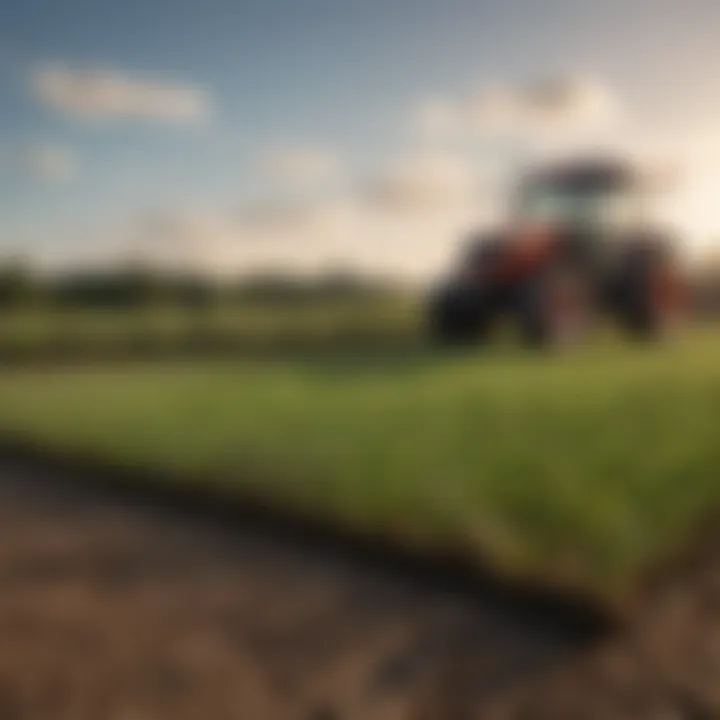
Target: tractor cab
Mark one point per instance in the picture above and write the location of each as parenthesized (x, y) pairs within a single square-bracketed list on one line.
[(592, 201)]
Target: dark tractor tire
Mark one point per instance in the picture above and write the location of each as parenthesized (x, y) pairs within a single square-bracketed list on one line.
[(458, 317), (653, 297), (555, 308)]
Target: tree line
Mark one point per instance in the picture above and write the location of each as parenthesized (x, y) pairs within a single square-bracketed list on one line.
[(126, 288)]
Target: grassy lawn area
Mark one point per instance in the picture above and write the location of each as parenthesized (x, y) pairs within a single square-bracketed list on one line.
[(587, 467)]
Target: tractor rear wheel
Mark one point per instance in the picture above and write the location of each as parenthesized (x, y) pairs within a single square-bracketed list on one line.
[(458, 317), (654, 302)]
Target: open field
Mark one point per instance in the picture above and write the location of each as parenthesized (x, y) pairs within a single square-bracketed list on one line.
[(46, 332), (587, 469)]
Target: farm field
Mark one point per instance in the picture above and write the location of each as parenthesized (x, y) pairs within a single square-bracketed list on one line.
[(86, 332), (586, 469)]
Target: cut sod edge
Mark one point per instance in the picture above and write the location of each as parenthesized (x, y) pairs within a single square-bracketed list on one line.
[(454, 565)]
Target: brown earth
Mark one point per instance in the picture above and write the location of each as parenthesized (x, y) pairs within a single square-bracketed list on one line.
[(118, 609)]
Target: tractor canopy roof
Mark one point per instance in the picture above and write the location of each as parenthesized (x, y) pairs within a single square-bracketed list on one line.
[(595, 175)]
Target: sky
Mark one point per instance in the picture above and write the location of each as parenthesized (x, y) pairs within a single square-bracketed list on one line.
[(232, 135)]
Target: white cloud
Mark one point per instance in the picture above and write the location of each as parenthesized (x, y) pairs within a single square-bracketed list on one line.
[(185, 237), (43, 162), (300, 238), (50, 163), (405, 221), (438, 117), (302, 165), (106, 94), (577, 101), (405, 218), (297, 237), (427, 181), (572, 104)]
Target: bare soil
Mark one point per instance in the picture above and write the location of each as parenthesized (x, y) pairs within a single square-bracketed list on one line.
[(113, 608)]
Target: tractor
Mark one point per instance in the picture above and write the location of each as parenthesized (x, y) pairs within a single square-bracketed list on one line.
[(578, 247)]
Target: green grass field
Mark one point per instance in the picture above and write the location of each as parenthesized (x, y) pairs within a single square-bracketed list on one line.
[(585, 468), (43, 332)]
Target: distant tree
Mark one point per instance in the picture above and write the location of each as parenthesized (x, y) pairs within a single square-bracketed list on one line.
[(18, 283), (127, 287), (272, 287), (338, 284)]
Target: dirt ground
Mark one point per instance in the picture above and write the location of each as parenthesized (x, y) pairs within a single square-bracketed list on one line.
[(122, 610)]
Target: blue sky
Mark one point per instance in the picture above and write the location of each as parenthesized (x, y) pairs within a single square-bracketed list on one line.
[(343, 77)]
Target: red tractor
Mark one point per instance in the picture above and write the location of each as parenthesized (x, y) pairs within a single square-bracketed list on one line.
[(578, 247)]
